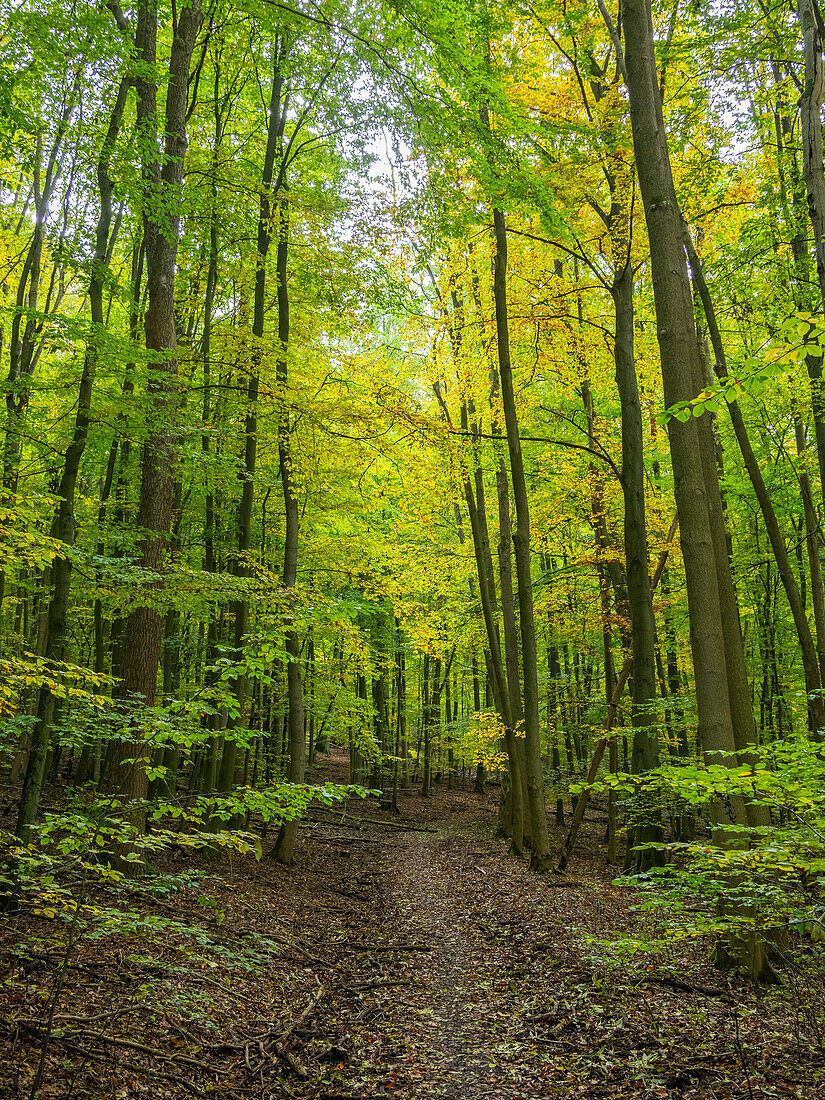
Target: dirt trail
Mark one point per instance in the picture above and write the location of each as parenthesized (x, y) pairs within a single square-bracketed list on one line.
[(454, 1025), (462, 1049), (478, 1022)]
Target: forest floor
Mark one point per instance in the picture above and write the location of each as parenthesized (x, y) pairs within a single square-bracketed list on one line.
[(412, 959)]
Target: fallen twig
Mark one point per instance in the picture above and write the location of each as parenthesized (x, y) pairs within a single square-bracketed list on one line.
[(289, 944), (364, 987), (385, 947), (130, 1044), (344, 839), (280, 1050), (145, 1071), (672, 982), (272, 1044), (357, 822), (194, 975)]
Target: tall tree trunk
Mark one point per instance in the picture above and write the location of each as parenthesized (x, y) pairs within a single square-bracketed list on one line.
[(813, 173), (534, 773), (402, 750), (681, 374), (477, 510), (812, 546), (521, 825), (274, 141), (645, 754), (162, 182), (295, 698), (27, 322), (810, 662), (64, 522), (208, 776)]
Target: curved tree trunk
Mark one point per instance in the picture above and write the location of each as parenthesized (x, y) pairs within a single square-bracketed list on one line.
[(64, 522)]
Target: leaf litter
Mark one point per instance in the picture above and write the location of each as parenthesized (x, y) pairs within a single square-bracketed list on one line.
[(403, 964)]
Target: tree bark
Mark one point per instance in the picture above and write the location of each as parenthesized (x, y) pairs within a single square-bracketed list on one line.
[(162, 182), (534, 773), (284, 849), (810, 108), (64, 525), (645, 754), (808, 651), (274, 141), (681, 374)]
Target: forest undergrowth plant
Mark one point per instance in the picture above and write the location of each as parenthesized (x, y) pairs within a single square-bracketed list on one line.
[(78, 864), (736, 880), (97, 838), (805, 993)]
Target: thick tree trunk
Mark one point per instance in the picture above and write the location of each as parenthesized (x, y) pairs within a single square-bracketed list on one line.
[(808, 651), (680, 365), (162, 182), (681, 375)]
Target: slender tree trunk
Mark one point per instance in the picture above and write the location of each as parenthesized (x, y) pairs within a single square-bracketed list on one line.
[(274, 139), (812, 546), (295, 773), (521, 825), (64, 523), (401, 707), (477, 510), (813, 173), (27, 322), (645, 755), (511, 820), (534, 773)]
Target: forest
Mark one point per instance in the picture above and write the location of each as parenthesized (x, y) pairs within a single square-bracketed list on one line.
[(412, 521)]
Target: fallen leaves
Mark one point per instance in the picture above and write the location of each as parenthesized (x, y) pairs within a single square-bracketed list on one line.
[(450, 972)]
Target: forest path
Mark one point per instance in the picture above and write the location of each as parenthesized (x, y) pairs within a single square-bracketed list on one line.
[(452, 975), (466, 1042), (460, 1024), (461, 975)]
